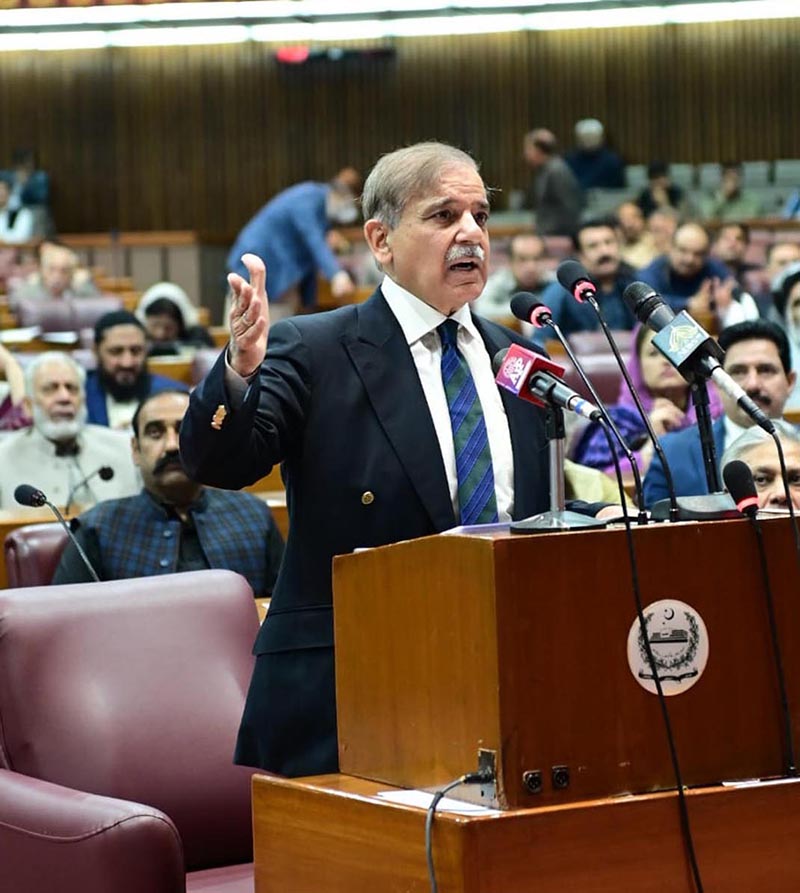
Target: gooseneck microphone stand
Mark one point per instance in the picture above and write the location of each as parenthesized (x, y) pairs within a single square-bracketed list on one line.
[(557, 518)]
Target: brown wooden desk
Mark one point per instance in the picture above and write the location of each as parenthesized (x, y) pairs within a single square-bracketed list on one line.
[(332, 833)]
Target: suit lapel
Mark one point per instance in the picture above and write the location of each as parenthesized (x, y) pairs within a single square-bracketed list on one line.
[(384, 363)]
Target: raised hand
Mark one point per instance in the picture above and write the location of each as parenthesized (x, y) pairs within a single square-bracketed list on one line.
[(248, 317)]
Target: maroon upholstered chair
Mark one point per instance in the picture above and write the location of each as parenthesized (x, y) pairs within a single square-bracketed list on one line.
[(603, 372), (66, 314), (112, 696), (585, 343), (32, 553)]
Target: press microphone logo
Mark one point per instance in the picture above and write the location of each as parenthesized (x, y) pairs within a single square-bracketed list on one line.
[(515, 369), (683, 339)]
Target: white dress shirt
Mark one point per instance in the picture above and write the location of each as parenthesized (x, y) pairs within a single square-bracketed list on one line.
[(419, 322)]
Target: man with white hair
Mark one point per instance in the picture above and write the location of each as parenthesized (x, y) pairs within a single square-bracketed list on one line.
[(595, 165), (757, 450), (61, 454)]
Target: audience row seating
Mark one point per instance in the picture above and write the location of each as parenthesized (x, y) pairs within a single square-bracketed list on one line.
[(119, 704)]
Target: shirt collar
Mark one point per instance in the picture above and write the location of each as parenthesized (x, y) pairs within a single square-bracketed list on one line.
[(418, 319)]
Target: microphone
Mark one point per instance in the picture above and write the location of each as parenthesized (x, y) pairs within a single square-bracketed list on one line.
[(104, 472), (534, 378), (687, 345), (739, 481), (573, 278), (525, 307), (28, 495)]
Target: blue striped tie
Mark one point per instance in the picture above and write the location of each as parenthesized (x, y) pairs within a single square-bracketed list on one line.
[(473, 457)]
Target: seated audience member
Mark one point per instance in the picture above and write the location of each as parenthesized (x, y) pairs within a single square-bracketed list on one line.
[(15, 225), (597, 248), (554, 194), (757, 357), (595, 165), (772, 302), (525, 272), (589, 484), (731, 201), (121, 380), (173, 524), (689, 279), (29, 186), (13, 407), (665, 397), (787, 303), (637, 244), (660, 191), (58, 277), (757, 450), (171, 321), (60, 451), (661, 225), (730, 246)]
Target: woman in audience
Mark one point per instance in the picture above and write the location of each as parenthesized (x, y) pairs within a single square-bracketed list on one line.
[(786, 295), (665, 397), (13, 409), (171, 321)]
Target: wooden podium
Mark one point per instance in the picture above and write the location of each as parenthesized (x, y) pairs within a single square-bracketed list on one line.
[(517, 647)]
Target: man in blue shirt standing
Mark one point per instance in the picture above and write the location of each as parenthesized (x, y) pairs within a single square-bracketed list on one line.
[(289, 234)]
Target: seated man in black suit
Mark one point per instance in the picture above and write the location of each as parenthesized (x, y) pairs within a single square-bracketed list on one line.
[(358, 405)]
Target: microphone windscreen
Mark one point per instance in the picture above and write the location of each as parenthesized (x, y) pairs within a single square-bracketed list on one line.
[(739, 481), (522, 305), (106, 472), (570, 273), (497, 359), (25, 494), (636, 294)]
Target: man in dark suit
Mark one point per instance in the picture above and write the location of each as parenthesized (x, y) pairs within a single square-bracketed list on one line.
[(353, 402), (757, 357)]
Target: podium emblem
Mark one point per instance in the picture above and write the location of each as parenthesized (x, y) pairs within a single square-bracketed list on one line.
[(678, 640)]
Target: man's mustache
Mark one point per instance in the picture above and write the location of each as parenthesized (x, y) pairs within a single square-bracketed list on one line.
[(173, 458), (458, 251)]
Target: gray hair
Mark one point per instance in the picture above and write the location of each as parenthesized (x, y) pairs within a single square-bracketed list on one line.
[(52, 356), (755, 436), (404, 174)]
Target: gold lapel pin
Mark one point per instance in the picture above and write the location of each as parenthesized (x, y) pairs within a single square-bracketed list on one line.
[(219, 417)]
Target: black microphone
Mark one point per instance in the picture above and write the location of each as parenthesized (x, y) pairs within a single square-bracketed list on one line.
[(739, 481), (28, 495), (573, 278), (527, 308), (687, 345), (104, 472), (534, 378)]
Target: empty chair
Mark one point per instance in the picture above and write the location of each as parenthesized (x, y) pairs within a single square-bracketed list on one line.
[(602, 371), (709, 176), (757, 173), (32, 553), (64, 314), (119, 705), (584, 343), (682, 175), (787, 172), (636, 176)]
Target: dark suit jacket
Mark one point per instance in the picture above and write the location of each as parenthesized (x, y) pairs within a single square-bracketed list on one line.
[(684, 456), (339, 401)]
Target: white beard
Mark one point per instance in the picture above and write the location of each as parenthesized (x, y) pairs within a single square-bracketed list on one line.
[(63, 429)]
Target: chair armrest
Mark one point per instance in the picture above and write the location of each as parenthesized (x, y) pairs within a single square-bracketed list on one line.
[(57, 838)]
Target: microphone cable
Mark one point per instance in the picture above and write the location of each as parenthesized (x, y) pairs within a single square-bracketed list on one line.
[(683, 809), (545, 318), (482, 776), (739, 481), (572, 276), (787, 492)]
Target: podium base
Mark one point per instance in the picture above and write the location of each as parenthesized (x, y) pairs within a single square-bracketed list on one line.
[(711, 507), (550, 522)]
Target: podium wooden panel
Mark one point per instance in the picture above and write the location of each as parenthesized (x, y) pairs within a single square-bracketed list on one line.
[(332, 834), (518, 644)]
